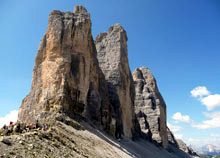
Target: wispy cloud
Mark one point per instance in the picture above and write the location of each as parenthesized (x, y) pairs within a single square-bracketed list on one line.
[(182, 118), (12, 116), (202, 141), (212, 114), (213, 122), (215, 135), (174, 128), (178, 136)]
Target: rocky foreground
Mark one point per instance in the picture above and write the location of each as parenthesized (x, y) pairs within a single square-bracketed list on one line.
[(83, 89), (67, 137)]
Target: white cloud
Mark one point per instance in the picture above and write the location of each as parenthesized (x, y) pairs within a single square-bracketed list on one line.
[(178, 136), (12, 116), (182, 118), (174, 128), (214, 122), (212, 114), (211, 101), (191, 140), (199, 91), (196, 142), (215, 135)]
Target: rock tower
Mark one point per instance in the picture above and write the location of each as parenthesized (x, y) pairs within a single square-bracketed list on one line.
[(112, 55), (75, 75), (150, 107), (66, 74)]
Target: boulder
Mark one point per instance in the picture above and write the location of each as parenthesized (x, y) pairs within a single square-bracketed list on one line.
[(4, 131), (5, 141)]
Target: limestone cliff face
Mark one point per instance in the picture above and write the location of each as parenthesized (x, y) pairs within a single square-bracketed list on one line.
[(78, 76), (112, 56), (66, 74), (150, 108)]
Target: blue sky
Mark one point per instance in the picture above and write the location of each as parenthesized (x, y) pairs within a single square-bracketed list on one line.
[(177, 40)]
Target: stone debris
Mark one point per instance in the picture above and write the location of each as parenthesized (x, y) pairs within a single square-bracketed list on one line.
[(5, 141)]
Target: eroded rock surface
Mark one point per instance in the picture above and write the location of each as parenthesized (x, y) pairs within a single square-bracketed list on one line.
[(66, 74), (74, 75), (67, 138), (171, 138), (182, 146), (150, 107), (112, 56)]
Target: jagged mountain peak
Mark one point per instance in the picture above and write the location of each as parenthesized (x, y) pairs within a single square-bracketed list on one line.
[(79, 9), (79, 82)]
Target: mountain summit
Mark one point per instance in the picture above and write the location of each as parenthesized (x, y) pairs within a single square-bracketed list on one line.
[(84, 92)]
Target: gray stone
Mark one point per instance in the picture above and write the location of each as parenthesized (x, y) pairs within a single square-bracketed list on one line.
[(179, 144), (5, 141), (112, 56), (79, 9), (150, 108), (171, 138), (182, 146), (66, 75), (73, 75)]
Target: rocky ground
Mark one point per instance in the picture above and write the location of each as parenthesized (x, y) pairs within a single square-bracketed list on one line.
[(69, 138)]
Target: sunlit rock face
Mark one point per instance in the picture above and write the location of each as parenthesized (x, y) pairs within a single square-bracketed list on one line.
[(150, 108), (112, 56), (66, 74), (78, 76)]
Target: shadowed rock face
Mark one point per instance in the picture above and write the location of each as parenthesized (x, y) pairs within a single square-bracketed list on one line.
[(182, 146), (113, 60), (66, 74), (150, 108), (171, 138), (75, 75), (179, 144)]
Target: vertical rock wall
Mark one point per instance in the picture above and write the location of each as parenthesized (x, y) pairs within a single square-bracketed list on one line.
[(66, 73), (113, 60), (74, 74), (150, 107)]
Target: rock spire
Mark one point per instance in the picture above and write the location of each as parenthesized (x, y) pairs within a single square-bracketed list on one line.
[(150, 107), (66, 74), (112, 55), (75, 75)]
